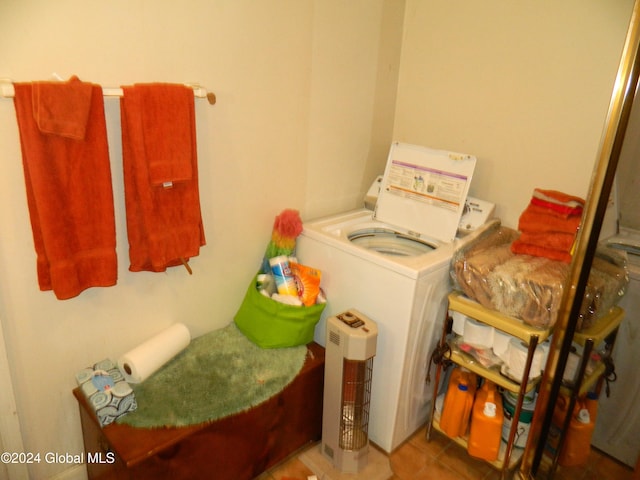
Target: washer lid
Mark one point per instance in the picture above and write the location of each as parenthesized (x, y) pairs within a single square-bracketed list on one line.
[(424, 190)]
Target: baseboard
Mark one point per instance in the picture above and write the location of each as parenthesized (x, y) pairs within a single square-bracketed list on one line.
[(77, 472)]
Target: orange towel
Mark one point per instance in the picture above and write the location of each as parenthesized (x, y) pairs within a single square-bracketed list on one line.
[(555, 240), (62, 108), (520, 247), (68, 184), (558, 198), (164, 225), (549, 225), (557, 203), (538, 219), (168, 127)]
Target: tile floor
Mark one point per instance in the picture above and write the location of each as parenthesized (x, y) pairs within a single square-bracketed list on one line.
[(442, 459)]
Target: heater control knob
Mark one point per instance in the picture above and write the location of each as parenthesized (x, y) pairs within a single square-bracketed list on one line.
[(350, 319)]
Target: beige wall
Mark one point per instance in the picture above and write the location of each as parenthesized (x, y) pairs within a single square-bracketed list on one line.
[(524, 86), (352, 104), (305, 114)]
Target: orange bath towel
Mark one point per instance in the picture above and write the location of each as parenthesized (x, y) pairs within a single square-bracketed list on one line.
[(164, 223), (68, 184)]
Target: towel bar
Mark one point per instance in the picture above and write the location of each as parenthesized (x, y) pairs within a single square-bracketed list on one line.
[(7, 90)]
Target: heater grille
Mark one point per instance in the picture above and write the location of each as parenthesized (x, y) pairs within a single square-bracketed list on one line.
[(334, 337), (350, 350), (356, 395)]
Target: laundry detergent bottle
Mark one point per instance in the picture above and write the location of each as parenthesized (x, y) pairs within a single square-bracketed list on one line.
[(458, 402), (486, 423), (577, 443)]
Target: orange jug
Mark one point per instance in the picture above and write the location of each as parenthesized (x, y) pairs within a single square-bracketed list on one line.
[(458, 402), (577, 442), (486, 423)]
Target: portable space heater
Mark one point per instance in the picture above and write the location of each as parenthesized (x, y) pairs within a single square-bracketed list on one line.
[(349, 352)]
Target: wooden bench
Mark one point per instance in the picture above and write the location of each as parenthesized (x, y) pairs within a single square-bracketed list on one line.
[(237, 447)]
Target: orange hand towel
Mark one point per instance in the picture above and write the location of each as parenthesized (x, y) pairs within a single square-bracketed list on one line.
[(559, 198), (168, 128), (68, 184), (557, 203), (62, 108), (538, 219), (164, 225)]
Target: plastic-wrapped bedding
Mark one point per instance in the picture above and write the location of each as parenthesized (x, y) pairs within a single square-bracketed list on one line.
[(530, 288)]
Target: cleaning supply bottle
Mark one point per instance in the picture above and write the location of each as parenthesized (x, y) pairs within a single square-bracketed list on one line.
[(458, 402), (577, 443), (486, 423), (285, 281)]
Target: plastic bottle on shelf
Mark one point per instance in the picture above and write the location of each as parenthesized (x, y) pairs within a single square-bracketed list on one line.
[(458, 402), (577, 442), (486, 423)]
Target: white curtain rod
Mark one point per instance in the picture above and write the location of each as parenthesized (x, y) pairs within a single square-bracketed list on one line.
[(7, 91)]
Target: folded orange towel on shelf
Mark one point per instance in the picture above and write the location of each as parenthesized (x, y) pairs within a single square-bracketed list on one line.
[(164, 223), (549, 225), (555, 240), (538, 219), (168, 127), (68, 183), (557, 203), (537, 251)]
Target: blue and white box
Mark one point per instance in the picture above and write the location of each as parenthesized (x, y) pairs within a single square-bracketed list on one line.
[(106, 391)]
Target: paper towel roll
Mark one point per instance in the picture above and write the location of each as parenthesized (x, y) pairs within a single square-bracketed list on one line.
[(516, 360), (477, 334), (459, 320), (501, 344), (141, 362)]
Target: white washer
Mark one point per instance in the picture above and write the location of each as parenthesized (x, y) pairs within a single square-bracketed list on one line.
[(393, 266)]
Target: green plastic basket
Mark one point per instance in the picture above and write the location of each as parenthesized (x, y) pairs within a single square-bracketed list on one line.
[(271, 324)]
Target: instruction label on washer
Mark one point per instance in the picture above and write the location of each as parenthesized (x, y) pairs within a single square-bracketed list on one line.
[(428, 185)]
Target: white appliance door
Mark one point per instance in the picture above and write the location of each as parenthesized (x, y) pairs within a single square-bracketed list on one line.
[(424, 190)]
